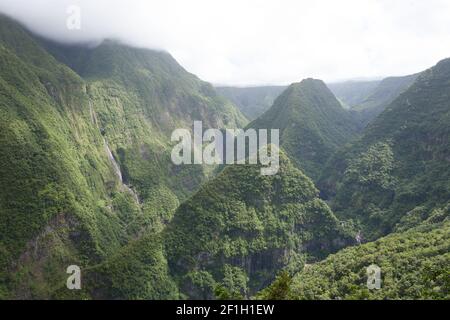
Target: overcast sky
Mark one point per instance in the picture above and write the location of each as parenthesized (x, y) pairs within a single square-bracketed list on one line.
[(246, 42)]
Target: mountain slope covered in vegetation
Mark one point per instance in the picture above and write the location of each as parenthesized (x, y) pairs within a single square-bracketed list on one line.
[(240, 228), (312, 124), (397, 172), (86, 178), (85, 153), (59, 192)]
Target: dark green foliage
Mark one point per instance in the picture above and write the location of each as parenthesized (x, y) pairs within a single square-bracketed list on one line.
[(370, 173), (312, 124), (414, 265), (234, 285), (221, 293), (241, 227), (138, 271), (280, 289)]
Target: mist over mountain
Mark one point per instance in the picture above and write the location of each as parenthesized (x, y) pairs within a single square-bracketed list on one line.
[(386, 92), (252, 101), (369, 99), (353, 93)]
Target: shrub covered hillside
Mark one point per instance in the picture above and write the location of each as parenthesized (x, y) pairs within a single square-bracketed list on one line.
[(136, 271), (84, 162), (312, 124), (231, 238), (397, 172), (414, 265)]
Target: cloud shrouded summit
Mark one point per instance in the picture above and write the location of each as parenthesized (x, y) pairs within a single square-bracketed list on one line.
[(261, 42)]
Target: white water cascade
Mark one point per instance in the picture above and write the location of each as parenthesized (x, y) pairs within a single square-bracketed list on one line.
[(111, 157)]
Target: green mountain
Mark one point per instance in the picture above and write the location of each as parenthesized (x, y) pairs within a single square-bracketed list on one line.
[(353, 93), (397, 172), (252, 101), (312, 124), (240, 228), (85, 156)]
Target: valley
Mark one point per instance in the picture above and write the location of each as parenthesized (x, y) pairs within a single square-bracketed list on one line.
[(88, 137)]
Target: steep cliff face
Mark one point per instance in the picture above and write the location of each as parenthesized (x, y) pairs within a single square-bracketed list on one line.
[(140, 96), (241, 228), (58, 187), (85, 152)]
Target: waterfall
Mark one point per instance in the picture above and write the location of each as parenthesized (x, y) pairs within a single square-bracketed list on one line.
[(114, 163), (119, 172)]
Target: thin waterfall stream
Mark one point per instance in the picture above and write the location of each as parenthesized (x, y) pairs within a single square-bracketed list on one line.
[(114, 163)]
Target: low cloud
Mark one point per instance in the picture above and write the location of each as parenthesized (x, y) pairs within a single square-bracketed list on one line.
[(256, 42)]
